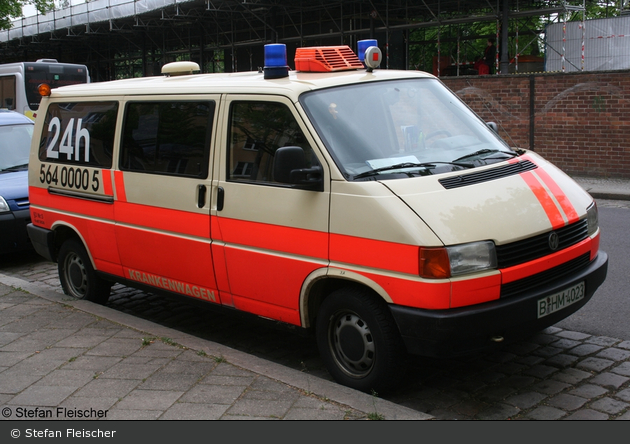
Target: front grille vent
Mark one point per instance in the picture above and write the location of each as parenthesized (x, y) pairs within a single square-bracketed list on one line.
[(538, 246), (545, 277), (464, 180)]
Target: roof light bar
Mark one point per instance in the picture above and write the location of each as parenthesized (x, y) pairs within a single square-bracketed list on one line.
[(326, 59), (276, 61)]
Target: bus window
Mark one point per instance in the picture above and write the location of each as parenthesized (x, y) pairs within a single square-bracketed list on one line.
[(7, 92)]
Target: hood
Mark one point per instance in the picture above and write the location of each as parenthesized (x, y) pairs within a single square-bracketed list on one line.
[(14, 185), (496, 205)]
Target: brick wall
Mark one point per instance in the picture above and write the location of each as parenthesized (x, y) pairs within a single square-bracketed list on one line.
[(578, 121)]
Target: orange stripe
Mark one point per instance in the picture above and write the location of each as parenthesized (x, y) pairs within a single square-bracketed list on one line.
[(557, 192), (121, 195), (175, 221), (549, 206), (374, 253), (296, 241), (107, 182), (545, 263)]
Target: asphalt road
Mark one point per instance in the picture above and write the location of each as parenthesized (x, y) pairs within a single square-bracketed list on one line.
[(608, 312)]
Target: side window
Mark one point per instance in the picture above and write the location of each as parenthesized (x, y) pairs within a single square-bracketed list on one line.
[(7, 92), (79, 133), (257, 130), (171, 138)]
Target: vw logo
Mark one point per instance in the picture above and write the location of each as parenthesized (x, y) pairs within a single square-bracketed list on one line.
[(553, 241)]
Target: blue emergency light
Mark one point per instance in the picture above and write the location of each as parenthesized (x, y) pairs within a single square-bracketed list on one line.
[(276, 61), (363, 45)]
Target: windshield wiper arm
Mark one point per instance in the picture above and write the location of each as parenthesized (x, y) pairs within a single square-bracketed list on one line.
[(485, 151), (399, 166), (16, 167)]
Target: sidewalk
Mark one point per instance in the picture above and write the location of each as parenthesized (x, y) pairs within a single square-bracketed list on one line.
[(599, 188), (63, 358)]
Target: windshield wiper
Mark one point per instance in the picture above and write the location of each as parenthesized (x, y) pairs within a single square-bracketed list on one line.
[(399, 166), (485, 151), (16, 167)]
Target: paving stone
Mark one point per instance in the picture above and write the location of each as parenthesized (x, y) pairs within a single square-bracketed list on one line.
[(100, 387), (609, 380), (624, 417), (573, 335), (561, 360), (149, 400), (624, 344), (548, 351), (43, 395), (194, 412), (594, 364), (549, 386), (609, 405), (498, 412), (624, 395), (565, 344), (567, 402), (116, 414), (604, 341), (585, 349), (526, 400), (622, 369), (255, 407), (587, 415), (614, 354), (546, 413), (571, 375), (213, 394), (589, 391), (540, 371)]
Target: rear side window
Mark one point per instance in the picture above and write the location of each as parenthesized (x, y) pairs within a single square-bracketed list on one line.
[(171, 138), (80, 133)]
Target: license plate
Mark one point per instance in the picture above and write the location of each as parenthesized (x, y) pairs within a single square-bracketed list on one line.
[(558, 301)]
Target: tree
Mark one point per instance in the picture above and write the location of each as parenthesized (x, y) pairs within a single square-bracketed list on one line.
[(13, 8)]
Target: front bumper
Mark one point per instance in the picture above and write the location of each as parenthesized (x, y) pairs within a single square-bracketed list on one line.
[(13, 236), (460, 331)]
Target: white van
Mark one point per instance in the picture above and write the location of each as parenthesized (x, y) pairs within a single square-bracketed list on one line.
[(369, 206)]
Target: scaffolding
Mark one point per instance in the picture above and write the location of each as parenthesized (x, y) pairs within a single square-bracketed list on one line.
[(127, 38)]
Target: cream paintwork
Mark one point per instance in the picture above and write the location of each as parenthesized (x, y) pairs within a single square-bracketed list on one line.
[(503, 210), (370, 210)]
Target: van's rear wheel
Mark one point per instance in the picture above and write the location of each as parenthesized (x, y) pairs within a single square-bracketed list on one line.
[(359, 340), (77, 276)]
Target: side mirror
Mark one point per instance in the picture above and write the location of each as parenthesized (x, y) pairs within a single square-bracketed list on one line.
[(493, 126), (290, 167)]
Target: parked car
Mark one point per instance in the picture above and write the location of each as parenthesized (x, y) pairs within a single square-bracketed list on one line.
[(16, 131)]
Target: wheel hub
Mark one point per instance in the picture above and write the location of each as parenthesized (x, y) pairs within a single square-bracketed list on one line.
[(353, 345)]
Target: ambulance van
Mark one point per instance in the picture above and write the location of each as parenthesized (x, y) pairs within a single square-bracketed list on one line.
[(371, 207)]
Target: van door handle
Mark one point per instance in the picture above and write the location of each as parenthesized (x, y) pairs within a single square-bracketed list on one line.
[(220, 198), (201, 196)]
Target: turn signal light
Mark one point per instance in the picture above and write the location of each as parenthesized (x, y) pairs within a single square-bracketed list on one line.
[(44, 89), (434, 263)]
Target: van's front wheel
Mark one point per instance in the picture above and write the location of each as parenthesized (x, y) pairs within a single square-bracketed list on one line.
[(359, 341), (77, 276)]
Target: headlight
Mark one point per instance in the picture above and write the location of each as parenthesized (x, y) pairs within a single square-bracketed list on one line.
[(592, 220), (4, 206), (442, 263), (475, 256)]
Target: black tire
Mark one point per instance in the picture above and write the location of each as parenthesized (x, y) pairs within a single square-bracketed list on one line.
[(77, 276), (359, 341)]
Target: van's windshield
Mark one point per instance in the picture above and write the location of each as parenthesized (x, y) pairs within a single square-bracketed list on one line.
[(401, 128)]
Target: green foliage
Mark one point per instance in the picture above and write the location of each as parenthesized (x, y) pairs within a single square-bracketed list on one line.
[(12, 9)]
